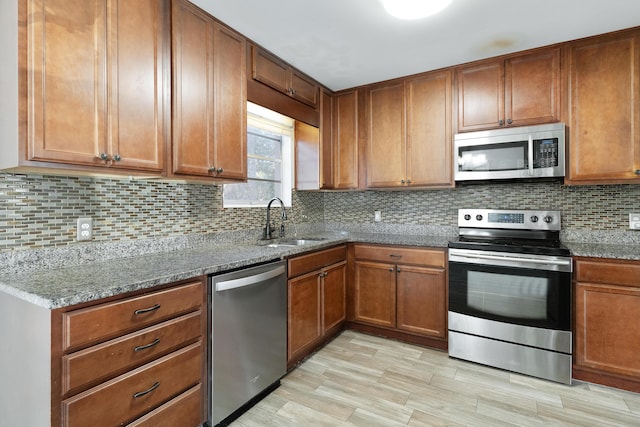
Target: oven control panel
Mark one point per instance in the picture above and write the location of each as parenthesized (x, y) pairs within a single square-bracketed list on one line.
[(512, 219)]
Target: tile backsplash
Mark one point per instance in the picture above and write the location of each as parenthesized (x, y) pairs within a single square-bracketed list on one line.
[(40, 211)]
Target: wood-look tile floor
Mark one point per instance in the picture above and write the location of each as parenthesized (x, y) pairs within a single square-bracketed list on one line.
[(362, 380)]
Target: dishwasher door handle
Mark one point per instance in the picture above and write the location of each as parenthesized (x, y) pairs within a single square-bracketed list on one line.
[(249, 280)]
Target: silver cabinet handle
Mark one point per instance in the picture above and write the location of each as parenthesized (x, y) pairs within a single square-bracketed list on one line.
[(220, 170), (509, 121), (116, 157), (146, 346), (395, 256), (147, 391), (103, 156), (637, 171), (249, 280), (147, 310)]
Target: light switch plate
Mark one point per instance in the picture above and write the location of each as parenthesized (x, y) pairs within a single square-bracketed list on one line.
[(84, 229), (634, 221)]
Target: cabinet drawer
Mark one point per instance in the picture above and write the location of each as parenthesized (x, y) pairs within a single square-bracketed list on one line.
[(133, 394), (184, 410), (612, 272), (316, 260), (121, 354), (94, 324), (399, 255)]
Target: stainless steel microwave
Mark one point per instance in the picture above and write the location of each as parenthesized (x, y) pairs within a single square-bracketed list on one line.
[(511, 153)]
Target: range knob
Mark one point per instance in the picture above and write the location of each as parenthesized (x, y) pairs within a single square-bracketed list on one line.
[(548, 219), (534, 218), (467, 217), (478, 217)]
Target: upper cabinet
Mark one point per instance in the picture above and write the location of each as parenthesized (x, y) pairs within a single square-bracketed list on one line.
[(344, 140), (517, 91), (326, 146), (209, 97), (409, 132), (277, 74), (307, 156), (604, 109), (96, 89)]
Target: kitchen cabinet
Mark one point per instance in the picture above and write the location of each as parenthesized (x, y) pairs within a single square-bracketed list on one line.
[(516, 91), (316, 300), (307, 155), (209, 98), (277, 74), (409, 132), (400, 289), (132, 359), (607, 333), (345, 140), (96, 92), (326, 137), (604, 109)]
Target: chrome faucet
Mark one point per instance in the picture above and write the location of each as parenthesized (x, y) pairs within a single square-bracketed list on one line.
[(268, 228)]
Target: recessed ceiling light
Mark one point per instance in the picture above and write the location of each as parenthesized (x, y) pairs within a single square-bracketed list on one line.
[(414, 9)]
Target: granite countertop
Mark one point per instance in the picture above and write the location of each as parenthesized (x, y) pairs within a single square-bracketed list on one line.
[(65, 286), (53, 288)]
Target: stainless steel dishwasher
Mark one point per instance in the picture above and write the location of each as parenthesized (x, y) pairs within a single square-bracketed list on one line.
[(247, 338)]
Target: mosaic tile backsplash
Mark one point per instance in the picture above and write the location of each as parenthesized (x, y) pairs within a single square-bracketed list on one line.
[(40, 211)]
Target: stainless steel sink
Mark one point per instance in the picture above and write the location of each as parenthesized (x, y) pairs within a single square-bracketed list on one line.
[(294, 242)]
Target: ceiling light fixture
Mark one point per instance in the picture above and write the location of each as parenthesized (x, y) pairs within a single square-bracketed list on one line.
[(414, 9)]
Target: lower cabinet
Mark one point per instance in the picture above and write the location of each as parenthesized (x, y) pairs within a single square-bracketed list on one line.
[(316, 300), (401, 290), (132, 361), (607, 332)]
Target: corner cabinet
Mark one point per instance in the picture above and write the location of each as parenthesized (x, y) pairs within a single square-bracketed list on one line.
[(96, 84), (316, 300), (607, 332), (604, 109), (209, 98), (399, 291), (409, 133), (516, 91)]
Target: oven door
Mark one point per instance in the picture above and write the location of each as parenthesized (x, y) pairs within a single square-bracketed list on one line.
[(520, 289)]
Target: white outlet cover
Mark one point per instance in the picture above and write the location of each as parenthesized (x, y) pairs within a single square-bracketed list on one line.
[(84, 229), (634, 221)]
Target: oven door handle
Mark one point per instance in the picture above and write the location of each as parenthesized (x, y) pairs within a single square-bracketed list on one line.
[(530, 155), (482, 257)]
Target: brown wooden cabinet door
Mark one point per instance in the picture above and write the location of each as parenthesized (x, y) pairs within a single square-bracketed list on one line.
[(480, 96), (326, 143), (386, 148), (429, 140), (604, 110), (375, 293), (305, 317), (422, 302), (307, 156), (304, 89), (67, 75), (334, 285), (270, 70), (193, 92), (532, 88), (345, 139), (607, 328), (230, 104)]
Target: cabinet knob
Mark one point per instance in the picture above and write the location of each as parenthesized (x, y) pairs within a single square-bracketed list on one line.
[(399, 270), (501, 122), (117, 157), (391, 269), (219, 170), (402, 181), (212, 169), (408, 181), (509, 121), (103, 156), (637, 171)]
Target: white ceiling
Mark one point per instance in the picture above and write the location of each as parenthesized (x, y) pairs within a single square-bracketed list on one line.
[(348, 43)]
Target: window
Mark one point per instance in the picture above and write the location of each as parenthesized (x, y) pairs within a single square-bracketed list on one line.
[(269, 160)]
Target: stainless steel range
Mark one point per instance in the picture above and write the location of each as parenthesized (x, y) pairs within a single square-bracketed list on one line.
[(510, 292)]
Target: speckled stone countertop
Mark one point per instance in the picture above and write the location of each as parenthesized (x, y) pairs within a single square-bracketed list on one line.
[(65, 286), (104, 274)]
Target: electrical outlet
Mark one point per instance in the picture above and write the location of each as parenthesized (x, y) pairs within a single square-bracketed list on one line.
[(634, 221), (84, 229), (377, 216)]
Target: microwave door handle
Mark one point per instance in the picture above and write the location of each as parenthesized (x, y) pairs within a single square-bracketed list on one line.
[(530, 155)]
